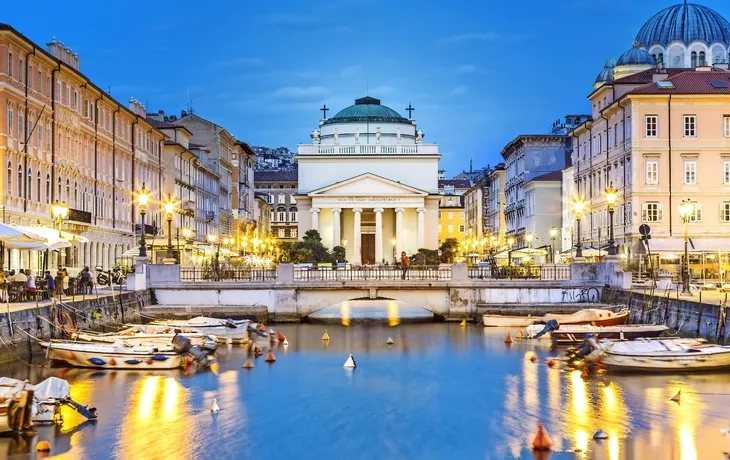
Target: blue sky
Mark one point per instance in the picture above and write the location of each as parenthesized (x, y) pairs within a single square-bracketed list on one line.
[(478, 73)]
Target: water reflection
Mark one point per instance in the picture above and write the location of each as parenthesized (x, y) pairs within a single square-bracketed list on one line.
[(401, 402)]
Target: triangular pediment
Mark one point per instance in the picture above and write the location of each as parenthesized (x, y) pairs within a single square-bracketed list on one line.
[(368, 185)]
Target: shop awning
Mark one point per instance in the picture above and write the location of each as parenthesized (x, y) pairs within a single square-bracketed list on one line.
[(696, 245)]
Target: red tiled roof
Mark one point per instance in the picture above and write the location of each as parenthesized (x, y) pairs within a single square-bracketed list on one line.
[(275, 176), (647, 76), (691, 82), (161, 124)]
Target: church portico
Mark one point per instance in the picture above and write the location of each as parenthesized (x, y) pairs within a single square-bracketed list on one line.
[(369, 184)]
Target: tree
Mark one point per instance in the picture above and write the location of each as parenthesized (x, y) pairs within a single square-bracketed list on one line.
[(309, 250), (449, 249), (339, 254)]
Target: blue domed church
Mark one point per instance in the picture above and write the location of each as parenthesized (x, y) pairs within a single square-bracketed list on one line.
[(681, 36)]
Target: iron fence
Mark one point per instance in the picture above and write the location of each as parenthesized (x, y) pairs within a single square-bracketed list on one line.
[(373, 273), (227, 274), (539, 272)]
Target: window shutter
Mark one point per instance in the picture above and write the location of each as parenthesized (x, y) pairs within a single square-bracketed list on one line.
[(659, 212)]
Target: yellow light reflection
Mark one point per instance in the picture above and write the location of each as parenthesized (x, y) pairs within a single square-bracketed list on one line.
[(393, 314), (687, 442), (531, 383), (345, 312), (581, 440), (613, 448), (578, 394)]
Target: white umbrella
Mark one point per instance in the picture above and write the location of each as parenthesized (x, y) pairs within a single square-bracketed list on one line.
[(51, 234), (14, 233)]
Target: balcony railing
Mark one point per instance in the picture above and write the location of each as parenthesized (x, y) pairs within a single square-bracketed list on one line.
[(368, 149), (540, 272), (372, 273), (191, 274), (79, 216)]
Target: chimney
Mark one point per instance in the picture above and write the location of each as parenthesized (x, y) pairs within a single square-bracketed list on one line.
[(183, 113), (721, 66), (704, 68), (63, 53), (137, 107)]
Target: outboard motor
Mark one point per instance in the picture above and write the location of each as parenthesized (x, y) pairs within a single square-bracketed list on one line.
[(229, 323), (181, 344), (550, 326), (587, 346)]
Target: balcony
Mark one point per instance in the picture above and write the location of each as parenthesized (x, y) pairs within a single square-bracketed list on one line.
[(149, 229), (209, 216), (188, 208), (369, 149), (78, 216)]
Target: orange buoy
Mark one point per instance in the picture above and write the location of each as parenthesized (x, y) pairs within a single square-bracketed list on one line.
[(676, 398), (112, 362), (533, 358), (270, 358), (248, 364), (148, 360), (188, 360), (43, 446), (508, 340), (551, 362), (262, 328), (257, 352), (280, 337), (70, 355), (541, 441)]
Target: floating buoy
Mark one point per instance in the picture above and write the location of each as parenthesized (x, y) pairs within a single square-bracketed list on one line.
[(261, 327), (257, 352), (271, 332), (390, 341), (280, 337), (519, 335), (112, 362), (248, 364), (541, 441), (270, 358), (97, 361), (551, 362), (533, 358), (508, 339), (188, 360), (462, 323), (350, 363), (148, 360), (285, 342), (676, 398), (43, 446), (215, 407), (159, 357), (70, 356), (600, 434), (325, 336)]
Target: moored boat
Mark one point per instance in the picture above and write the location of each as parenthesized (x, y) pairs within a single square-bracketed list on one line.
[(594, 316), (576, 333), (114, 356), (660, 355), (48, 396), (16, 411), (226, 330), (135, 336)]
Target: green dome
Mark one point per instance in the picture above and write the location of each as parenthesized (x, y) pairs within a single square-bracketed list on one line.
[(367, 110)]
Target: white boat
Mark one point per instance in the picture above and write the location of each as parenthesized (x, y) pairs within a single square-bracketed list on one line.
[(114, 356), (576, 333), (135, 336), (48, 396), (661, 355), (16, 411), (226, 330), (593, 316)]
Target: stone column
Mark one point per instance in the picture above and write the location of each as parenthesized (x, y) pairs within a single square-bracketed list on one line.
[(336, 237), (421, 227), (398, 232), (315, 218), (378, 235), (356, 239)]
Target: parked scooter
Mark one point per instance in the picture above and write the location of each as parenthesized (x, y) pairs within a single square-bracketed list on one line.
[(117, 274)]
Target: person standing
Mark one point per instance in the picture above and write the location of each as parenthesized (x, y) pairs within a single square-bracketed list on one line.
[(86, 280), (51, 283), (30, 285), (403, 264), (66, 281), (3, 286)]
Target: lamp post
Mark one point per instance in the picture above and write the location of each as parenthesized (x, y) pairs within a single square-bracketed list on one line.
[(212, 238), (578, 207), (685, 212), (169, 211), (510, 243), (611, 201), (187, 235), (553, 235), (393, 242), (143, 197), (60, 212)]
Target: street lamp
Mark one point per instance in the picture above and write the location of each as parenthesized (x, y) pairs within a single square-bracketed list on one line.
[(187, 233), (578, 207), (393, 243), (170, 211), (143, 197), (510, 243), (60, 212), (685, 211), (611, 200), (553, 235)]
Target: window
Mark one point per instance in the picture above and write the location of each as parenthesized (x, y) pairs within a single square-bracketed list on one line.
[(20, 181), (281, 233), (48, 189), (38, 187), (696, 215), (292, 216), (694, 59), (270, 199), (652, 172), (76, 101), (30, 77), (461, 215), (652, 122), (690, 126), (67, 99), (461, 228), (282, 198), (725, 212), (271, 216), (440, 228), (726, 125), (58, 91), (10, 120), (726, 172), (652, 212), (293, 232), (10, 65), (29, 185), (451, 228), (21, 71), (282, 217), (40, 135), (690, 172), (703, 60), (450, 216), (10, 175)]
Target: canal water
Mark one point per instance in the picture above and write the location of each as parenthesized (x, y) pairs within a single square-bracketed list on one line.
[(441, 391)]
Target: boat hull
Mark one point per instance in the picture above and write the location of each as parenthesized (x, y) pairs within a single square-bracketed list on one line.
[(675, 363), (594, 317), (572, 334), (205, 326), (107, 358), (509, 321)]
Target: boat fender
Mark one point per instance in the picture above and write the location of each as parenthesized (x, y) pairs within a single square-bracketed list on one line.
[(148, 360), (132, 361), (390, 341), (270, 358), (508, 340), (541, 441), (600, 434), (97, 361), (43, 446), (112, 362), (159, 357), (70, 356)]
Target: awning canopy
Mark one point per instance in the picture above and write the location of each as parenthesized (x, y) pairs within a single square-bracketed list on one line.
[(695, 245), (15, 233), (587, 252), (51, 234), (529, 252)]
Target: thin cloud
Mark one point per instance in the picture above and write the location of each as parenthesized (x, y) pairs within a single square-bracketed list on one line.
[(300, 92), (351, 70), (382, 90), (471, 37)]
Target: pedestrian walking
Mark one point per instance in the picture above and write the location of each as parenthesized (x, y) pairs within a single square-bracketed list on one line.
[(403, 265)]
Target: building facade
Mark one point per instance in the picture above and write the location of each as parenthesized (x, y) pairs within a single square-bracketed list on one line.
[(63, 139), (262, 214), (368, 177), (543, 209), (243, 190), (279, 189), (452, 218)]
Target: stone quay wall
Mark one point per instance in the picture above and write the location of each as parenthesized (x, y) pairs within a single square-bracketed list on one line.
[(17, 326), (689, 317)]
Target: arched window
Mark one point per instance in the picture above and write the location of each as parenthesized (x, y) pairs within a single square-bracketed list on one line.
[(694, 59), (20, 181), (703, 60), (10, 176), (101, 204), (29, 185), (661, 58), (655, 57), (38, 187), (68, 192), (83, 202), (48, 189), (60, 188), (76, 195)]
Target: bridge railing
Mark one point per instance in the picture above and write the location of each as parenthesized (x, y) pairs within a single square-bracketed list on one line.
[(373, 273), (193, 274), (517, 272)]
